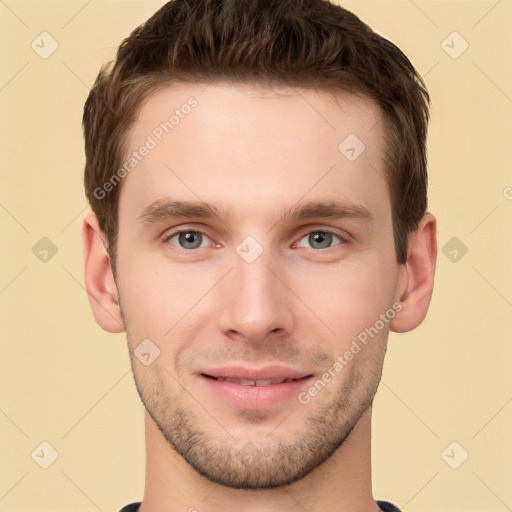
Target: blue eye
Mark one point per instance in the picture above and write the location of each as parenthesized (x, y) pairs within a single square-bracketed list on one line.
[(189, 239), (320, 239)]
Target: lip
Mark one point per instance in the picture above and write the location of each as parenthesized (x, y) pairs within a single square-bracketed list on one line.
[(275, 372), (250, 396)]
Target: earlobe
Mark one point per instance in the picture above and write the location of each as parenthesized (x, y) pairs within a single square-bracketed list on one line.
[(98, 277), (416, 281)]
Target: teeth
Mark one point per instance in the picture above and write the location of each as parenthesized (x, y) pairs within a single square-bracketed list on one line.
[(242, 382)]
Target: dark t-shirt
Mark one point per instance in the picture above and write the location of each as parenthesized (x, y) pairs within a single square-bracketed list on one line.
[(383, 505)]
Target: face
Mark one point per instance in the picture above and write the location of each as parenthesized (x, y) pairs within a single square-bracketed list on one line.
[(256, 244)]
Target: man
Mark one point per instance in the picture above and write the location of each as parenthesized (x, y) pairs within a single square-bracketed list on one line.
[(257, 175)]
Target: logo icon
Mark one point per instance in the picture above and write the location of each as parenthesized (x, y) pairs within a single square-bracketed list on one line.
[(44, 45), (454, 249), (351, 147), (44, 455), (454, 455), (454, 45), (146, 352), (249, 249), (44, 250)]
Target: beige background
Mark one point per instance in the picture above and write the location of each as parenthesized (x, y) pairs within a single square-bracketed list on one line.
[(66, 382)]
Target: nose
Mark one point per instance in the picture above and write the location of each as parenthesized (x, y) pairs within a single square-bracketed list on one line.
[(255, 304)]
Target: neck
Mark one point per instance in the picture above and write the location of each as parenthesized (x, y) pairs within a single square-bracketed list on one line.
[(340, 484)]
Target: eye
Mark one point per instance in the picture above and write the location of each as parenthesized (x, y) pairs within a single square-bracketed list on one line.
[(188, 239), (320, 239)]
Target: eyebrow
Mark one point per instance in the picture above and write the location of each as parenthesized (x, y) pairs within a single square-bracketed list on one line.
[(167, 208)]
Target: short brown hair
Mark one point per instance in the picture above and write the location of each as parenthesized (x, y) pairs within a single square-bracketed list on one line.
[(298, 43)]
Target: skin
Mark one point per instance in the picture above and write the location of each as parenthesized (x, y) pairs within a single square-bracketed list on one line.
[(255, 153)]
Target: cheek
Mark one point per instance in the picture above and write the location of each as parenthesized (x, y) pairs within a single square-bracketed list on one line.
[(347, 298), (158, 299)]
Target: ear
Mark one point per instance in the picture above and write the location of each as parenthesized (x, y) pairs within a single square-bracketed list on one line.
[(416, 279), (98, 276)]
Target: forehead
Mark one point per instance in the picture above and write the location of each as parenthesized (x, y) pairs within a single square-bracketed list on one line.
[(323, 109), (253, 145)]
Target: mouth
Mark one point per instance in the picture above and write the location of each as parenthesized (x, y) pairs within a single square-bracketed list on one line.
[(250, 382), (248, 388)]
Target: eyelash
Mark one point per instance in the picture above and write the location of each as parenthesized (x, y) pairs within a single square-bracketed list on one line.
[(343, 240)]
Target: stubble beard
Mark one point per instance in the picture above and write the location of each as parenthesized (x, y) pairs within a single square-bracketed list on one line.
[(253, 463)]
